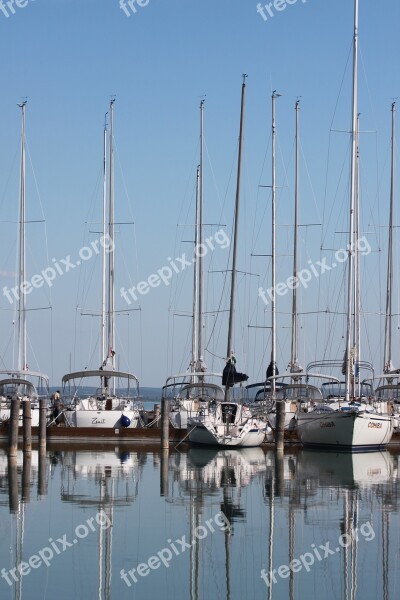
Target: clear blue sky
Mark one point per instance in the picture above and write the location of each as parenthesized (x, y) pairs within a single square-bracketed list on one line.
[(69, 56)]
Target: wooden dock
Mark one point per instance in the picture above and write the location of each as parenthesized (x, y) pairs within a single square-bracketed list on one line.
[(139, 435), (88, 435)]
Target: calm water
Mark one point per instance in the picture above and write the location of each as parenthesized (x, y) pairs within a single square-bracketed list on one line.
[(200, 524)]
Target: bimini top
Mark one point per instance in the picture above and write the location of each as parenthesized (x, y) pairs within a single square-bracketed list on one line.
[(17, 387), (200, 390), (99, 373), (22, 374), (15, 381), (388, 392), (299, 390)]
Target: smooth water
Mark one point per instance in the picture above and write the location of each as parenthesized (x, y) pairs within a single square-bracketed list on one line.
[(200, 524)]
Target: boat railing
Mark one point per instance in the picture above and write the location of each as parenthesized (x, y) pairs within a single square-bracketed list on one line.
[(338, 364)]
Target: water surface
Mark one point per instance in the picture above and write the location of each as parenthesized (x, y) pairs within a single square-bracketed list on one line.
[(120, 523)]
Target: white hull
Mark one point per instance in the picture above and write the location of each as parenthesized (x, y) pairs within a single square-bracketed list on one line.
[(179, 415), (227, 424), (200, 434), (246, 436), (94, 413), (347, 430), (103, 419), (289, 416), (98, 419)]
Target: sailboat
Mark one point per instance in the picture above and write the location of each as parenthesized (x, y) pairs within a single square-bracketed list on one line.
[(115, 403), (348, 419), (295, 393), (192, 391), (22, 384), (222, 421)]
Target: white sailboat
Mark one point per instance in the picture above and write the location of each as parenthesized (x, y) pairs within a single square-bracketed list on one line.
[(115, 402), (222, 421), (22, 384), (192, 391), (264, 393), (295, 393), (348, 419)]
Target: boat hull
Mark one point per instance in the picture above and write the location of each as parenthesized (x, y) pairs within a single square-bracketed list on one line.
[(200, 434), (103, 419), (289, 420), (5, 416), (356, 431)]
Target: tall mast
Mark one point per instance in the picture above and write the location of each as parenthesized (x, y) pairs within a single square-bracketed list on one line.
[(353, 184), (111, 257), (195, 283), (22, 360), (357, 266), (236, 229), (104, 260), (200, 353), (294, 365), (273, 251), (387, 360)]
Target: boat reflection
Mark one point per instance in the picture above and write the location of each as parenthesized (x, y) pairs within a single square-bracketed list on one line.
[(345, 500), (346, 469), (243, 516), (100, 477), (314, 500)]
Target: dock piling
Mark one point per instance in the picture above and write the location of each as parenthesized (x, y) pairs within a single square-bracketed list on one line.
[(27, 426), (165, 424), (13, 428), (42, 424)]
